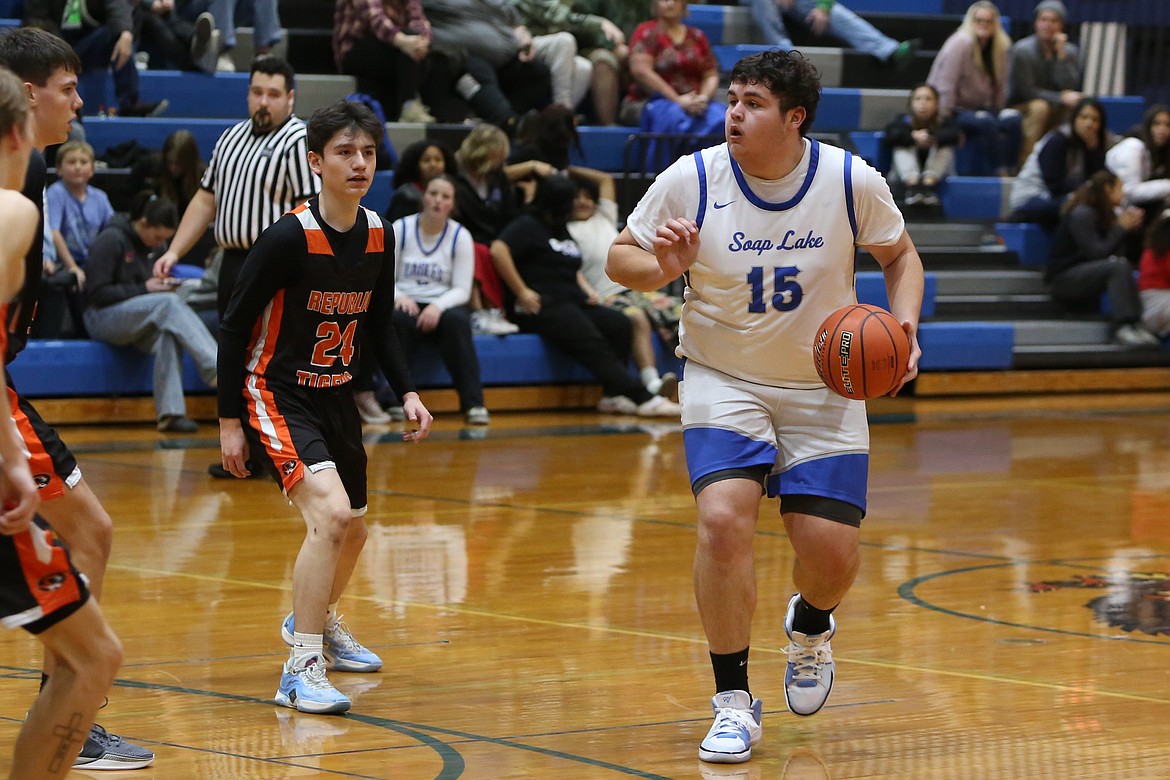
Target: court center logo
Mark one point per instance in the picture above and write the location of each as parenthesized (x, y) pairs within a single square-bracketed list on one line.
[(1132, 600)]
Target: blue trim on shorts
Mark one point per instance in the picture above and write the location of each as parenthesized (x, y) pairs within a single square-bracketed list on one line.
[(843, 477), (717, 449)]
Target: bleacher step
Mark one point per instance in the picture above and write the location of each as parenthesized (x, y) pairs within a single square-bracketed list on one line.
[(951, 233), (1001, 282), (994, 307), (1083, 356)]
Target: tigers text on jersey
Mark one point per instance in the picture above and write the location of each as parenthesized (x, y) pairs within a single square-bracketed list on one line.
[(304, 298), (775, 258), (307, 333)]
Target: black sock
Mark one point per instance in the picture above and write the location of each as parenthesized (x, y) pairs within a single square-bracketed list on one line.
[(731, 672), (44, 679), (810, 620)]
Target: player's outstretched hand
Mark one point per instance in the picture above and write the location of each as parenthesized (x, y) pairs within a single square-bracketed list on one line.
[(676, 246), (233, 447), (915, 354), (418, 419)]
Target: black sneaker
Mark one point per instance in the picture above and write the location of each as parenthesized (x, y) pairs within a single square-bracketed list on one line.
[(146, 109), (104, 750), (177, 423)]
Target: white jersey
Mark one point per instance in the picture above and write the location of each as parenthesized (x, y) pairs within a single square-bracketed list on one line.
[(776, 256), (433, 269)]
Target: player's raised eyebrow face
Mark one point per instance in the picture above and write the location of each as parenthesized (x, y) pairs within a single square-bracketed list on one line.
[(742, 91)]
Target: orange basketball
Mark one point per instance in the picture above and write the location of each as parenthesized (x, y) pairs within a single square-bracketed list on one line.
[(861, 351)]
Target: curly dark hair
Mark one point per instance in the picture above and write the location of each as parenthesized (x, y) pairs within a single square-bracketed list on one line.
[(407, 168), (1158, 236), (788, 76)]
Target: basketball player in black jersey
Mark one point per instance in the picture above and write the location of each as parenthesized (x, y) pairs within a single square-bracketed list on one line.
[(49, 69), (288, 348)]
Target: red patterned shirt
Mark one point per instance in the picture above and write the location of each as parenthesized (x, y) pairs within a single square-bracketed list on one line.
[(681, 65)]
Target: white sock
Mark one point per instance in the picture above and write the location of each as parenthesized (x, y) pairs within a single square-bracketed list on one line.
[(305, 645), (650, 377)]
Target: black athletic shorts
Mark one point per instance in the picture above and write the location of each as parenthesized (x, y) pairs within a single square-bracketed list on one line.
[(38, 585), (290, 429), (53, 466)]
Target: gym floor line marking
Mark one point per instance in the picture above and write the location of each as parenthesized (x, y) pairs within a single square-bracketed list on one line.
[(696, 640)]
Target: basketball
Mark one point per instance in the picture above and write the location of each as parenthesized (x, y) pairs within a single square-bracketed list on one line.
[(861, 352)]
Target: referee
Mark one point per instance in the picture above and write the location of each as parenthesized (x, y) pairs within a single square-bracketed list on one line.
[(259, 170)]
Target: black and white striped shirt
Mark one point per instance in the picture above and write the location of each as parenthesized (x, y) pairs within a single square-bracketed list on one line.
[(256, 179)]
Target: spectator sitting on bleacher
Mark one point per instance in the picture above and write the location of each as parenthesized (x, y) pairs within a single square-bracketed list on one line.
[(970, 74), (923, 143), (1087, 257), (103, 38), (540, 265), (262, 15), (173, 41), (548, 135), (594, 228), (1154, 277), (828, 17), (1142, 162), (600, 43), (128, 305), (76, 211), (434, 264), (1059, 163), (602, 40), (416, 165), (387, 47), (1045, 72), (505, 72), (485, 202), (180, 171), (674, 78)]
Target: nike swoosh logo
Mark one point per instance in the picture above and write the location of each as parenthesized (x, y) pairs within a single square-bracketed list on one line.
[(724, 205)]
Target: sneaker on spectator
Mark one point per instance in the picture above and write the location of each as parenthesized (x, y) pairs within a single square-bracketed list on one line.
[(103, 750), (477, 415), (903, 56), (368, 407), (808, 679), (736, 728), (665, 386), (224, 63), (205, 43), (1135, 336), (491, 322), (155, 108), (617, 404), (413, 110), (658, 406), (304, 686), (177, 423)]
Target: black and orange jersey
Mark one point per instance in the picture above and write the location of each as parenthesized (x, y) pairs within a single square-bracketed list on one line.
[(19, 315), (301, 304)]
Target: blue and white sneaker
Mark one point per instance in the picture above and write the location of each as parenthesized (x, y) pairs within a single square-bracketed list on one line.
[(736, 728), (343, 653), (307, 689), (809, 676)]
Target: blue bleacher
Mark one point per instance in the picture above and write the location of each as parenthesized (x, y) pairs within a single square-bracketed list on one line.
[(54, 368), (1030, 242)]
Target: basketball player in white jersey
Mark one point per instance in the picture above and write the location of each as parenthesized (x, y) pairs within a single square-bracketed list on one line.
[(764, 228)]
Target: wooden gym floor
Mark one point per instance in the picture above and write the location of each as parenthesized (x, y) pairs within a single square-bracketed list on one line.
[(529, 588)]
